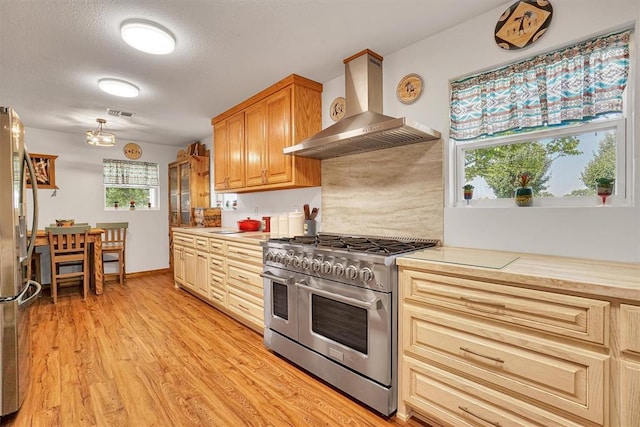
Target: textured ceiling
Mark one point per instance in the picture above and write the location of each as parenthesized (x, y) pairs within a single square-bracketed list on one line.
[(52, 53)]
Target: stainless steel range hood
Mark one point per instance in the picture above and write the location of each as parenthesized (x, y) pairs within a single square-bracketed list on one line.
[(364, 127)]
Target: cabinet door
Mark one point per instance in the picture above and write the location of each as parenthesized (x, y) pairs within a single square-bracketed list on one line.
[(256, 144), (278, 133), (189, 255), (174, 196), (220, 155), (185, 188), (202, 273), (236, 155), (178, 264)]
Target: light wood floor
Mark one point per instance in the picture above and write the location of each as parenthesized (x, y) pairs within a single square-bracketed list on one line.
[(148, 354)]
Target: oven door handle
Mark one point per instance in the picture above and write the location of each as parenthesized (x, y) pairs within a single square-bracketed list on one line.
[(366, 305), (270, 276)]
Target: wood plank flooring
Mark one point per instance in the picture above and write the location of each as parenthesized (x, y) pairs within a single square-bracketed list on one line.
[(148, 354)]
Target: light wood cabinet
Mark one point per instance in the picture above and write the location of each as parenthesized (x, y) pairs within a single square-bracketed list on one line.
[(473, 352), (229, 153), (223, 272), (250, 138), (244, 283), (188, 188), (630, 365), (181, 242)]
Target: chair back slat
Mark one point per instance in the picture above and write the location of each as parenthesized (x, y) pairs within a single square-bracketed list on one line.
[(66, 240), (115, 233)]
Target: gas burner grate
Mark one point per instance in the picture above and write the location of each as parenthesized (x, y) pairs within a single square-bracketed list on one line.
[(357, 244)]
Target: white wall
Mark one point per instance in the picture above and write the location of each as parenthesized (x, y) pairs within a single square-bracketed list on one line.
[(78, 174), (611, 233)]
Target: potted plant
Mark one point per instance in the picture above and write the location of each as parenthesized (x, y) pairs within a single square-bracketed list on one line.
[(604, 188), (467, 192), (524, 192), (132, 205)]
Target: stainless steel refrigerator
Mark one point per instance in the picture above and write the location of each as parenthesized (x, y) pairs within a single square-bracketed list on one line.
[(17, 291)]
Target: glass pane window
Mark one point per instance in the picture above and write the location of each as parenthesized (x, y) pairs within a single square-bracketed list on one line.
[(557, 118), (130, 184)]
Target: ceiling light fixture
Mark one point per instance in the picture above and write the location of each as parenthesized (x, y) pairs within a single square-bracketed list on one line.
[(148, 37), (99, 137), (118, 87)]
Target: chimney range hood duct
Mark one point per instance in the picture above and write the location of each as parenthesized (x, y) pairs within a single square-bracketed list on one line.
[(363, 128)]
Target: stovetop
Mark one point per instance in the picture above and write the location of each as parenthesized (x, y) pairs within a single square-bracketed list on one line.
[(358, 244)]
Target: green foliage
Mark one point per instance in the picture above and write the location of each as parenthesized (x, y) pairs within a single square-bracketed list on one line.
[(603, 164), (501, 165), (124, 195)]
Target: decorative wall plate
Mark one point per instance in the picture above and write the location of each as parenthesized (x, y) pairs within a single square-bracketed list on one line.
[(132, 151), (409, 88), (338, 109), (523, 24)]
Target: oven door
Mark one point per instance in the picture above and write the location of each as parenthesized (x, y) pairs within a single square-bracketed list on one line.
[(347, 324), (280, 302)]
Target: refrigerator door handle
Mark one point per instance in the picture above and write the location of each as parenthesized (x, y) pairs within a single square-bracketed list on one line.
[(20, 297), (31, 299), (34, 193)]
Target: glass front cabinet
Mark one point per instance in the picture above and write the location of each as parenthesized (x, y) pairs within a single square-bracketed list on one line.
[(188, 189)]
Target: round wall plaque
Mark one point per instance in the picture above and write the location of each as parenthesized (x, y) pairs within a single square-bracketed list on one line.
[(338, 109), (409, 88), (523, 24), (132, 151)]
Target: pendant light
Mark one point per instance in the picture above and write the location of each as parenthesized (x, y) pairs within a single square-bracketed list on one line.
[(99, 137)]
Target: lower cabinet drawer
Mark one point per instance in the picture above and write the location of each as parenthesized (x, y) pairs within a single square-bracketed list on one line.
[(248, 281), (217, 296), (456, 401), (247, 306), (565, 377)]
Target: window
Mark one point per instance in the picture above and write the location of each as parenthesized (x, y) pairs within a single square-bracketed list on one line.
[(127, 181), (559, 116)]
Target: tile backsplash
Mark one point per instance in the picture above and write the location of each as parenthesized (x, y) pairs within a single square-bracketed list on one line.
[(391, 192)]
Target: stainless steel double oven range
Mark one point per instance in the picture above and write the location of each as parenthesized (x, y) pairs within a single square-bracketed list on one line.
[(331, 308)]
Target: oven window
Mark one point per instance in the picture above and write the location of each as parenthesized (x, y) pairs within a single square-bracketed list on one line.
[(340, 322), (280, 301)]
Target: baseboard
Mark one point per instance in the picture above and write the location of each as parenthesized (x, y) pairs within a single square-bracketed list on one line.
[(147, 273)]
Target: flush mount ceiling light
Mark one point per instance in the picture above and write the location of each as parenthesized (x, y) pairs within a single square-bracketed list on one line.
[(99, 137), (148, 37), (118, 88)]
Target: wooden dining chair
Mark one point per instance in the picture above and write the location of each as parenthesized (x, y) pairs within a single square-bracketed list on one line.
[(69, 249), (114, 243)]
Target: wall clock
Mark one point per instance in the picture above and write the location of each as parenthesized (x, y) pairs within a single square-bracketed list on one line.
[(132, 151), (523, 24), (409, 88), (338, 109)]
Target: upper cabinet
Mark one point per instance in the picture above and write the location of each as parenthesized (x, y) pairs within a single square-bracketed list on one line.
[(249, 138), (188, 188)]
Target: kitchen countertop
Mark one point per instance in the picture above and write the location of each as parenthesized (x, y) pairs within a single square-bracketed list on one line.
[(239, 236), (611, 280)]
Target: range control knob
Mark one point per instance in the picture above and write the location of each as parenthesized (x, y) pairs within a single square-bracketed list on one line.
[(352, 272), (287, 259), (326, 267), (315, 265), (366, 274), (306, 263), (338, 269), (270, 256), (297, 261), (278, 258)]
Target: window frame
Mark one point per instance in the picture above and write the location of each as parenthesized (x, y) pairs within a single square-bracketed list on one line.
[(623, 164), (125, 205)]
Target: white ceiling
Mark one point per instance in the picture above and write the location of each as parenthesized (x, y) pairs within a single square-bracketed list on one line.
[(52, 53)]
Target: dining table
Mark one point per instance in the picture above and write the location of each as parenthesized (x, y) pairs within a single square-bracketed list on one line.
[(95, 239)]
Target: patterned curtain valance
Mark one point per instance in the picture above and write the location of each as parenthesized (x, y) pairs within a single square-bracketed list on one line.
[(576, 83), (127, 172)]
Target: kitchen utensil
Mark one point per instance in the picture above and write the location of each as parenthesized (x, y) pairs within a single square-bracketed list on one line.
[(314, 213), (249, 224), (306, 211)]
